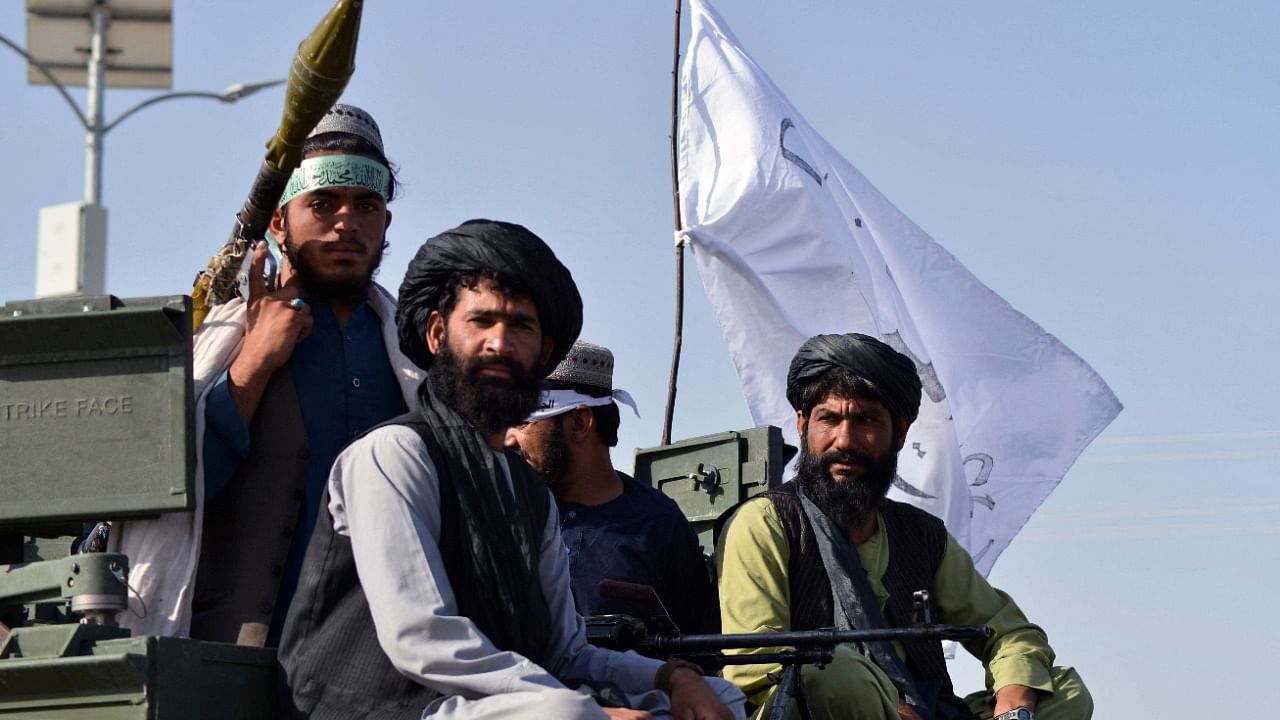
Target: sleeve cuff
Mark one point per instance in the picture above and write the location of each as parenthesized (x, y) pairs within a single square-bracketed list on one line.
[(226, 438), (1021, 671), (223, 417)]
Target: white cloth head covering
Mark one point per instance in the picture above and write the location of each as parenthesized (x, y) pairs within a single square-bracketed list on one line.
[(557, 402), (587, 366)]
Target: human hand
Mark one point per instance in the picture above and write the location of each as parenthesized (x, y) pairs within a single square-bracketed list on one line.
[(693, 699), (906, 713), (627, 714), (1011, 697), (273, 327)]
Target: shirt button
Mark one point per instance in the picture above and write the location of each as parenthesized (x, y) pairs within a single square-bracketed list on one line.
[(266, 608), (355, 382), (573, 514)]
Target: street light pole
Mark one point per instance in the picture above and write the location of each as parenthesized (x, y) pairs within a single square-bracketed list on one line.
[(71, 256), (95, 86)]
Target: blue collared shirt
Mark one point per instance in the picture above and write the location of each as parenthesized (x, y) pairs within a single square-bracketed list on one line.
[(345, 385)]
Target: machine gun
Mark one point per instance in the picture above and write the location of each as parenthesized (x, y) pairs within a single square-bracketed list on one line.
[(708, 477), (660, 638)]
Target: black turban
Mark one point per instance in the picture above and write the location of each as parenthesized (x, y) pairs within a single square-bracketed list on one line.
[(504, 251), (888, 372)]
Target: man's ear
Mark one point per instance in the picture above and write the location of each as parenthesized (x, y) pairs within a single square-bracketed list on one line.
[(579, 422), (900, 426), (277, 225), (388, 225), (800, 424), (435, 331)]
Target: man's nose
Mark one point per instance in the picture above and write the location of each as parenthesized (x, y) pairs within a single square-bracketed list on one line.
[(346, 219), (497, 341), (842, 436)]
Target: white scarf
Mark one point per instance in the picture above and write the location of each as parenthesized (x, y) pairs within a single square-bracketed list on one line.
[(557, 402)]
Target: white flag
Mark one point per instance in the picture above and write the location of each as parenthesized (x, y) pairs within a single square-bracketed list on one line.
[(791, 241)]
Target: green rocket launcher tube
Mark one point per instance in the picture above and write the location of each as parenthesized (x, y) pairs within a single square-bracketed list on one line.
[(320, 71)]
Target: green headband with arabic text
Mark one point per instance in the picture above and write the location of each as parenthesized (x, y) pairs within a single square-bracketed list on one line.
[(325, 171)]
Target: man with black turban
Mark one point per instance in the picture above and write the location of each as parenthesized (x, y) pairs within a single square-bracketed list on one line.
[(436, 585), (828, 549)]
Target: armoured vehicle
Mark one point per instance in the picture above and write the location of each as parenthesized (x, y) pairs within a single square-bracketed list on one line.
[(96, 422)]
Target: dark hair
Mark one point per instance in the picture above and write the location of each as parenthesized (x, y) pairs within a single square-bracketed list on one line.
[(607, 418), (501, 283), (838, 381), (351, 145)]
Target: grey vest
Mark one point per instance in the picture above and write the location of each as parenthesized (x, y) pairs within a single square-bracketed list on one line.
[(248, 527)]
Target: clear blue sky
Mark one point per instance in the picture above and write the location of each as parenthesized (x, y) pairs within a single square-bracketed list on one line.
[(1111, 169)]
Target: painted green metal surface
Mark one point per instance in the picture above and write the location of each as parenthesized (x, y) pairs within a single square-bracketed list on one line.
[(710, 475), (144, 678), (95, 406)]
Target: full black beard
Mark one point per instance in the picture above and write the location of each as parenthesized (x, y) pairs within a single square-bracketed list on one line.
[(317, 285), (851, 502), (491, 405)]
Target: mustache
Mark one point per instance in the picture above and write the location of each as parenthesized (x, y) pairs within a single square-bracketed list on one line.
[(505, 362), (845, 457)]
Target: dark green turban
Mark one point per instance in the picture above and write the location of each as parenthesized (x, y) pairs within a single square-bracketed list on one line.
[(890, 374), (504, 251)]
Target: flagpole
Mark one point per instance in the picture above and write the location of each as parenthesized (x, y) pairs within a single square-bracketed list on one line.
[(675, 200)]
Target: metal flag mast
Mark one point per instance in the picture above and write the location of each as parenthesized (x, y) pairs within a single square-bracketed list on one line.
[(675, 201)]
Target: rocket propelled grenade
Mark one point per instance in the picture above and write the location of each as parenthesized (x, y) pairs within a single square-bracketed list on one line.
[(317, 77), (325, 62)]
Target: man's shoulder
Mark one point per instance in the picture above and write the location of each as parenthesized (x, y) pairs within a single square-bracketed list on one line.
[(754, 517), (389, 439)]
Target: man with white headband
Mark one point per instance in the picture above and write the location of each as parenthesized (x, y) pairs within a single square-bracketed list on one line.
[(613, 526), (285, 378)]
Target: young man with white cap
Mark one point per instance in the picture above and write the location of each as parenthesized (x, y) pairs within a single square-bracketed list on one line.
[(285, 379), (614, 527)]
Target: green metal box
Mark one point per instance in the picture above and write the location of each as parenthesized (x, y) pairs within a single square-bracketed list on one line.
[(141, 678), (95, 409), (709, 476)]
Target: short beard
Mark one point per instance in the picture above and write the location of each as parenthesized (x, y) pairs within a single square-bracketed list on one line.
[(492, 406), (555, 455), (314, 284), (850, 502)]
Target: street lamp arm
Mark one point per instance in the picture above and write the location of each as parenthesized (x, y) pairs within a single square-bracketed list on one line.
[(229, 95), (62, 90), (160, 98)]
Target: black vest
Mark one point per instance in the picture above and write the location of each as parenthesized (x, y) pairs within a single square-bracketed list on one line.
[(917, 541), (332, 665), (248, 528)]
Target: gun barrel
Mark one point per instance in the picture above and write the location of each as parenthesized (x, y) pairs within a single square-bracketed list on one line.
[(804, 638)]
